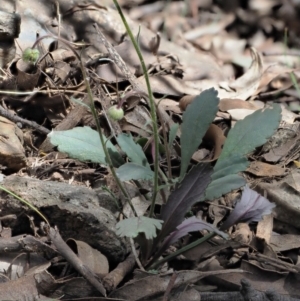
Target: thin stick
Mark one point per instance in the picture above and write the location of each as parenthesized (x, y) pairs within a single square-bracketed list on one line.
[(135, 254), (16, 118), (40, 91), (73, 259), (170, 286)]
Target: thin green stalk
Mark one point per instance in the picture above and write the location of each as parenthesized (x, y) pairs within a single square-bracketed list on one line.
[(182, 250), (26, 203), (92, 106), (151, 104)]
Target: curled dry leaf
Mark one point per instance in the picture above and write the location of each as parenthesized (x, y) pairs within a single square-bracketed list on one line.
[(154, 43), (247, 84), (185, 101), (90, 257), (215, 135)]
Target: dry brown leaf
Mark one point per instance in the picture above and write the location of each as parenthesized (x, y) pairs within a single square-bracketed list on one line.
[(169, 85), (270, 74), (12, 153), (140, 205), (230, 104), (208, 29), (279, 153), (242, 233), (185, 101), (286, 200), (139, 117), (285, 242), (90, 257), (247, 84), (239, 114), (170, 105), (261, 169), (155, 285), (265, 228), (215, 136)]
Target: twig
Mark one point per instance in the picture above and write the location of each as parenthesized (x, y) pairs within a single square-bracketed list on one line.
[(113, 279), (40, 91), (16, 118), (170, 286), (135, 254), (74, 260), (288, 52)]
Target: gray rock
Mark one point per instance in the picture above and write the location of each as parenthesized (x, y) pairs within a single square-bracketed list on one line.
[(74, 210)]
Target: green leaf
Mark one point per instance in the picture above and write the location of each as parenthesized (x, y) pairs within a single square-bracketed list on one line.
[(224, 185), (196, 120), (131, 227), (132, 171), (251, 132), (172, 133), (133, 151), (247, 134), (84, 144)]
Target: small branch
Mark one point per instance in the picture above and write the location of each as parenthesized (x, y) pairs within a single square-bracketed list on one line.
[(16, 118), (73, 259), (169, 287), (135, 254), (114, 278)]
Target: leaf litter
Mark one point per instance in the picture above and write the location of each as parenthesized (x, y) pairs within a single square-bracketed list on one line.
[(247, 66)]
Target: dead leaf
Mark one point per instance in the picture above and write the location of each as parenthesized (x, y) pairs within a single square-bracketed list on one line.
[(284, 242), (261, 169), (242, 233), (246, 85), (265, 228), (155, 285), (90, 257), (12, 153), (227, 104), (215, 137)]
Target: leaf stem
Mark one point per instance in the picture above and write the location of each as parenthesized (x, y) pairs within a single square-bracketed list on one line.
[(151, 104)]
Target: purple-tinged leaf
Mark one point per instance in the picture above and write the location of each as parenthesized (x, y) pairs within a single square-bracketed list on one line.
[(182, 198), (189, 225), (250, 208)]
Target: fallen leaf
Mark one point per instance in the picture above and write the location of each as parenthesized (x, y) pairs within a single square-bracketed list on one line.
[(262, 169)]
